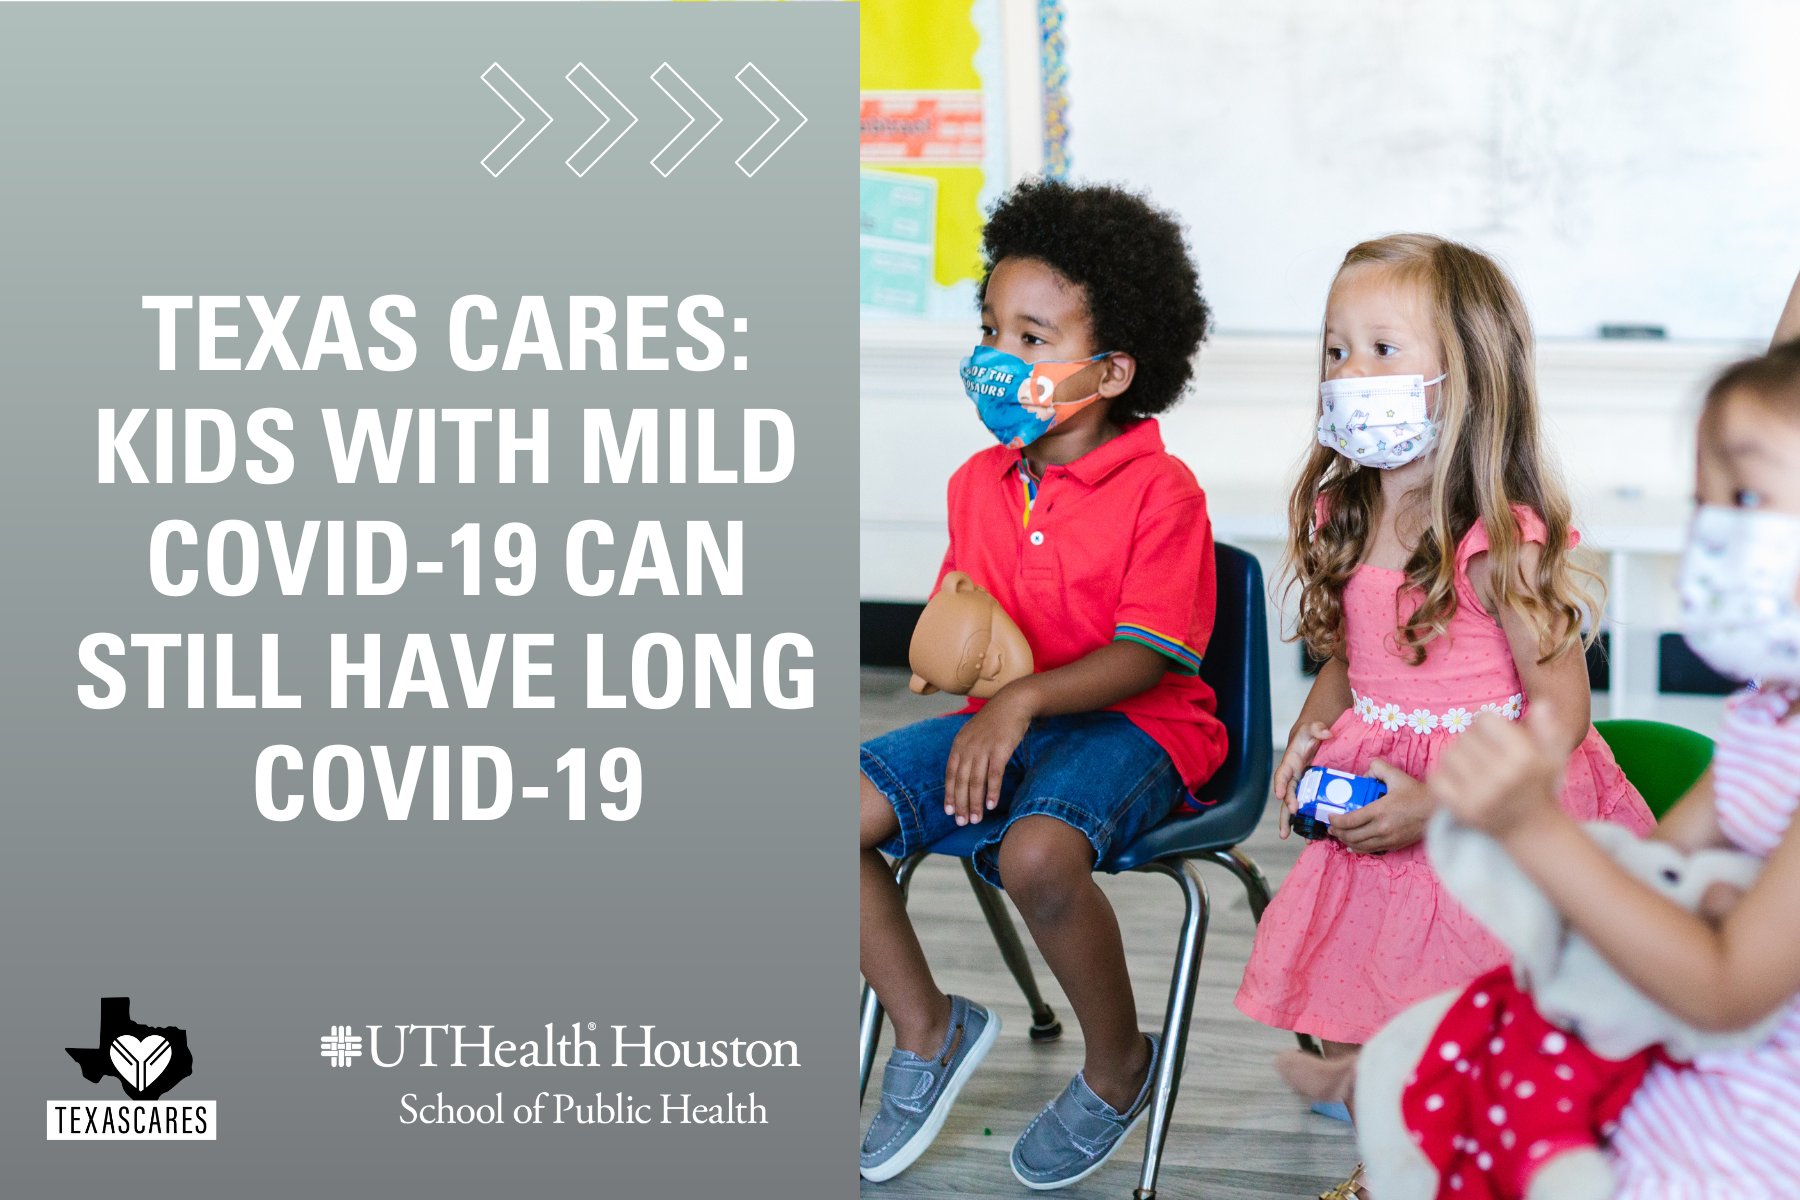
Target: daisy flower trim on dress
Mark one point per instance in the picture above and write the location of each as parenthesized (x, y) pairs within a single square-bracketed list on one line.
[(1421, 721)]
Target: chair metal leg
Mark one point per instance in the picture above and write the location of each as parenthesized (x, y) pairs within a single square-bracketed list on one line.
[(1257, 888), (1044, 1025), (870, 1036), (1249, 874), (1175, 1021), (903, 871), (869, 1033)]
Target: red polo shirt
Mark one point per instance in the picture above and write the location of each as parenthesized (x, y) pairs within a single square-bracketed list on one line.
[(1115, 546)]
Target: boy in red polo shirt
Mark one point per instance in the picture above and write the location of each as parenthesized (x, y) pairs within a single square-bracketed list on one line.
[(1096, 542)]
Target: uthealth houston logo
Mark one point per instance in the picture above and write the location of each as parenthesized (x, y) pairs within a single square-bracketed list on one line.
[(577, 1044)]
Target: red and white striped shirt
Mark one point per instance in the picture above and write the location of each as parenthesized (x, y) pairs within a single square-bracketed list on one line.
[(1728, 1126)]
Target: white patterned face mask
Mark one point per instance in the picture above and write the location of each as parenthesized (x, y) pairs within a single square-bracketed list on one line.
[(1738, 577), (1378, 420)]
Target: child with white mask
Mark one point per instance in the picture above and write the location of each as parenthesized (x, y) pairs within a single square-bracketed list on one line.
[(1728, 1125), (1430, 539)]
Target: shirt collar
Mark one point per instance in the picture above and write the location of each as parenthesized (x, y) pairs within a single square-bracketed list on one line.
[(1138, 439)]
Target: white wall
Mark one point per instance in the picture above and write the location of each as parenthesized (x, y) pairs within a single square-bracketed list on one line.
[(1630, 161)]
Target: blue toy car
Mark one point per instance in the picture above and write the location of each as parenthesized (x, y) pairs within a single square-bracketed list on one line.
[(1325, 793)]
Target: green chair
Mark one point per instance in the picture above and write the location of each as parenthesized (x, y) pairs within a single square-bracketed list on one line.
[(1662, 761)]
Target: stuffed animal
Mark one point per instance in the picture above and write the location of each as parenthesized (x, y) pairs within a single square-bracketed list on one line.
[(965, 644), (1508, 1087)]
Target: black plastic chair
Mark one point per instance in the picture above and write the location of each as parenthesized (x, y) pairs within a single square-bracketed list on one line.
[(1236, 665)]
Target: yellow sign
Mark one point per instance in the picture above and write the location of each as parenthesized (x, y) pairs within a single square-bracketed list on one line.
[(924, 50)]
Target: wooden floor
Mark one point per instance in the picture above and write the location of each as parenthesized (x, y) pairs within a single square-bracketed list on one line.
[(1238, 1132)]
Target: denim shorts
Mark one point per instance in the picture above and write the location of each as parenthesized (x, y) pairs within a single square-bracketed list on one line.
[(1095, 771)]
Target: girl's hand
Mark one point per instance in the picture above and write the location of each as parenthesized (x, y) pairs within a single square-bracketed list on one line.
[(1718, 900), (1299, 755), (979, 755), (1395, 821), (1501, 774)]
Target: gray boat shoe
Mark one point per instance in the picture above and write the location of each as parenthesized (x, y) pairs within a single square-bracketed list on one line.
[(916, 1093), (1077, 1132)]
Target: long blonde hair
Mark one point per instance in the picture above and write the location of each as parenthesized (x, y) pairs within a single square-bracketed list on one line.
[(1490, 455)]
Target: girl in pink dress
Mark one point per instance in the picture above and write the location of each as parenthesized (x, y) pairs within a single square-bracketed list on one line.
[(1430, 544), (1726, 1127)]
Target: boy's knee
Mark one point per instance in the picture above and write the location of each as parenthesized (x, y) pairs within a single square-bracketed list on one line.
[(878, 820), (1042, 862)]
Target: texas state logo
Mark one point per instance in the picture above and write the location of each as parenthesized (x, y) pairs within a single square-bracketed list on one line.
[(148, 1061)]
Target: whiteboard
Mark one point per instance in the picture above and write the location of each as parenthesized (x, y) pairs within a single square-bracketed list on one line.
[(1629, 160)]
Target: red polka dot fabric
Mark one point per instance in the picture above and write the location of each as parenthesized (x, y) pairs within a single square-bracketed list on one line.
[(1500, 1092)]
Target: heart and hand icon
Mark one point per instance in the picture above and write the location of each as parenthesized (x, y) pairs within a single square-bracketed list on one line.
[(140, 1060)]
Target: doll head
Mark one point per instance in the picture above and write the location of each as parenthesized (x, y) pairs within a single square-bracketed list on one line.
[(965, 644)]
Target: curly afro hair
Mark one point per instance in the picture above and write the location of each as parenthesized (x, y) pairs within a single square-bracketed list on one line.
[(1131, 261)]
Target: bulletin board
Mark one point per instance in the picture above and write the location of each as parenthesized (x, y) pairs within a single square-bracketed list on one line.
[(960, 98)]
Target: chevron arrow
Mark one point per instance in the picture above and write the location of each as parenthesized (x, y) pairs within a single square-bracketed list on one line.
[(584, 81), (762, 91), (667, 159), (516, 139)]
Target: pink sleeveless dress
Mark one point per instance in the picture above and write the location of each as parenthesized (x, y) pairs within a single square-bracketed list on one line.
[(1351, 939), (1728, 1127)]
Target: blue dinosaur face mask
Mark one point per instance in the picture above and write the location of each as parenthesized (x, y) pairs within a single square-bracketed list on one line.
[(1016, 399)]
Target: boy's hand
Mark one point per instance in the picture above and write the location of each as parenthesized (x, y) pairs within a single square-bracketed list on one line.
[(1501, 774), (1299, 755), (1392, 822), (979, 755)]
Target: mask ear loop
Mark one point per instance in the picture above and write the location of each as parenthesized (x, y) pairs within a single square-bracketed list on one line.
[(1085, 399), (1429, 434)]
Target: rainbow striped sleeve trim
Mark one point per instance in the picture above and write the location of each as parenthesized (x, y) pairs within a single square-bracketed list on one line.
[(1185, 659)]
